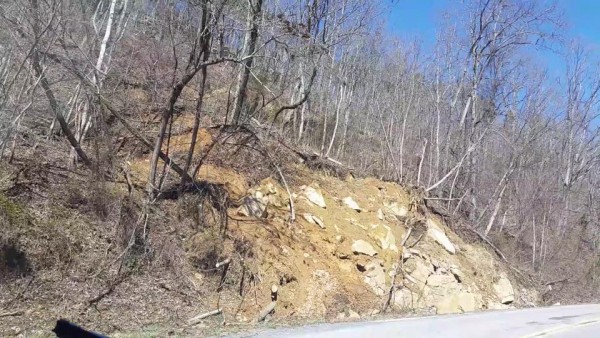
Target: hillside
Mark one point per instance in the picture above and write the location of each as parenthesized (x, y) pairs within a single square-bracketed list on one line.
[(201, 167), (75, 249)]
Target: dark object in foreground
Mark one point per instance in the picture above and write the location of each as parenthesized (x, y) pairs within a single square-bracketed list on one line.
[(64, 329)]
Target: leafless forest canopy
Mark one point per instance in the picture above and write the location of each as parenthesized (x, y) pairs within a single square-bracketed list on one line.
[(477, 121)]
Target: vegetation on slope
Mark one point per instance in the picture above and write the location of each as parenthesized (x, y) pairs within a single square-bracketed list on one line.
[(129, 131)]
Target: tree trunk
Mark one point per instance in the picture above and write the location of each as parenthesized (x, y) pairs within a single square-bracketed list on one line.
[(254, 13), (205, 50), (39, 72)]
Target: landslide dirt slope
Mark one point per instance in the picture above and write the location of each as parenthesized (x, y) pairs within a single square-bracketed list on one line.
[(337, 260), (75, 249)]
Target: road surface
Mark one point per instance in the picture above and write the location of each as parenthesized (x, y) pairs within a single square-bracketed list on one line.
[(577, 321)]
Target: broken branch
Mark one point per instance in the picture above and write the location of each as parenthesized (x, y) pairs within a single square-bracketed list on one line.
[(198, 318), (12, 314)]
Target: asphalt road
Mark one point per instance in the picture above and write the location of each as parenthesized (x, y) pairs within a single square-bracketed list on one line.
[(560, 321)]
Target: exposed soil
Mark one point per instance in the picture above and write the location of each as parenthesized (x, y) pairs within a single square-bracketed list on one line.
[(95, 253)]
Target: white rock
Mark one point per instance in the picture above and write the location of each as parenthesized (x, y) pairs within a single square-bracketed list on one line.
[(491, 305), (457, 273), (252, 207), (404, 299), (350, 203), (353, 315), (439, 280), (308, 218), (418, 254), (312, 219), (373, 312), (380, 214), (504, 290), (375, 277), (384, 237), (438, 235), (314, 197), (456, 303), (392, 270), (363, 247), (420, 273), (318, 221), (389, 242), (468, 302), (393, 208)]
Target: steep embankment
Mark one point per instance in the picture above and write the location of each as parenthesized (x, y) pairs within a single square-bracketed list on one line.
[(97, 254), (351, 240)]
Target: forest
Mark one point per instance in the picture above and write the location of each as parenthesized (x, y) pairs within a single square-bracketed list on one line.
[(476, 122)]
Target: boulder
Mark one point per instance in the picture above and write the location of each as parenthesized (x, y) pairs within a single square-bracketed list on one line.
[(418, 253), (350, 203), (504, 290), (420, 272), (389, 242), (491, 305), (374, 276), (372, 312), (252, 207), (468, 302), (312, 219), (457, 273), (269, 192), (441, 280), (457, 303), (437, 234), (314, 196), (395, 209), (384, 237), (404, 299), (363, 248), (353, 315)]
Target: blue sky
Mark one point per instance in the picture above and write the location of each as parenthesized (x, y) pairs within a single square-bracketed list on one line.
[(417, 18)]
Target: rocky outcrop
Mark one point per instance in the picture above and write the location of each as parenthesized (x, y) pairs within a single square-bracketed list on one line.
[(435, 232), (384, 237), (430, 274), (461, 301), (395, 210), (374, 276), (435, 285), (504, 290), (353, 315), (312, 219), (314, 196), (252, 207), (363, 248), (442, 280), (350, 203), (418, 272)]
